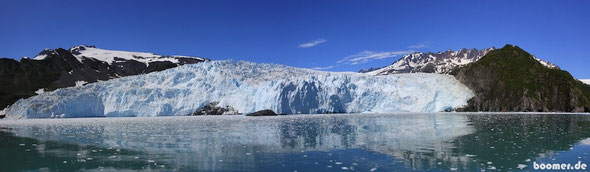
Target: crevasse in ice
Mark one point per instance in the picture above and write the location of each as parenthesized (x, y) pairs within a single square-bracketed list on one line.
[(248, 87)]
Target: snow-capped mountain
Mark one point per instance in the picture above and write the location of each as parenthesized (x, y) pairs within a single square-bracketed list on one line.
[(441, 62), (586, 81), (59, 68), (113, 57), (248, 87), (119, 58)]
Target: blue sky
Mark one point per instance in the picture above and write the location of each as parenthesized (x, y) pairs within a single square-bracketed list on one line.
[(309, 34)]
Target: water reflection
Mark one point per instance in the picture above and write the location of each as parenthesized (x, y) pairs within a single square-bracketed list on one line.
[(419, 141), (364, 142), (23, 154), (505, 141)]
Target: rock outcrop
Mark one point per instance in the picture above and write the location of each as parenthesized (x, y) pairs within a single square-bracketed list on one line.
[(213, 108), (266, 112)]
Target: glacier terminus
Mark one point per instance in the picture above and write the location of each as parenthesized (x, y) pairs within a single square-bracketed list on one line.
[(248, 87)]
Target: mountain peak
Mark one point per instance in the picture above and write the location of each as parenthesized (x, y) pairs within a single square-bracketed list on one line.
[(517, 50), (76, 49), (511, 46), (43, 54), (83, 46), (440, 62)]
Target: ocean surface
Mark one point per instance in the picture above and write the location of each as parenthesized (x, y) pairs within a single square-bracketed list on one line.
[(323, 142)]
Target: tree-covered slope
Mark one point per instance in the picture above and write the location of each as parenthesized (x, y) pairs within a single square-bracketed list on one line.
[(510, 79)]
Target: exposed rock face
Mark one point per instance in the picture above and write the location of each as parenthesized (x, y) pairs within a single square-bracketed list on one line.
[(510, 79), (2, 113), (213, 108), (266, 112), (59, 68)]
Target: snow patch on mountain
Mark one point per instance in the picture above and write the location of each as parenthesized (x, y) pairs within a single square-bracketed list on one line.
[(39, 57), (111, 56), (546, 63), (248, 87), (586, 81), (43, 54)]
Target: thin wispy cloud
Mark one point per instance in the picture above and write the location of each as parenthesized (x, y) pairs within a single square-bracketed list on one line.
[(323, 68), (367, 56), (420, 45), (312, 43)]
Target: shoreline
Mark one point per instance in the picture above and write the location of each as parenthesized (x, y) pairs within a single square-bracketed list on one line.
[(4, 120)]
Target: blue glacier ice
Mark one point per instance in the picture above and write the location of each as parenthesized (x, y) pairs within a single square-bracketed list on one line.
[(248, 87)]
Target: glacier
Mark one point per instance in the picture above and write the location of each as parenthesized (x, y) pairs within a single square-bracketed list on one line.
[(247, 87)]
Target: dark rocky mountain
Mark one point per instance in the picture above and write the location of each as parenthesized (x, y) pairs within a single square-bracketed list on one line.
[(59, 68), (441, 62), (510, 79)]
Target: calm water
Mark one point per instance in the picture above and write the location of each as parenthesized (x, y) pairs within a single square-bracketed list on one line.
[(367, 142)]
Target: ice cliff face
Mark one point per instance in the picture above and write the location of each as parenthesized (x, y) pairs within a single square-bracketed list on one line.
[(247, 87)]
